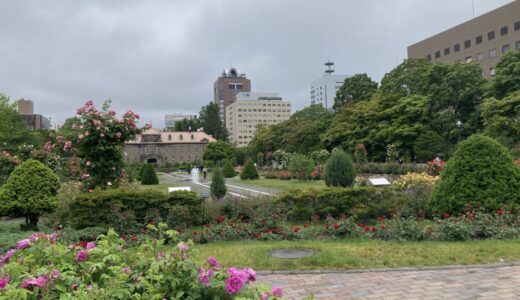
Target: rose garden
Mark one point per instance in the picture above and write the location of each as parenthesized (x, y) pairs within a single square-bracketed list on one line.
[(81, 223)]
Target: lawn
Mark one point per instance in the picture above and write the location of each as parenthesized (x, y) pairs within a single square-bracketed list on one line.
[(279, 184), (361, 254)]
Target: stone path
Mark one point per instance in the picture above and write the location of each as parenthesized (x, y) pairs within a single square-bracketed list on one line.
[(478, 282)]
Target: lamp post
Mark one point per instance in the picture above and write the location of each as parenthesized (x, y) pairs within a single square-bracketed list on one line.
[(459, 124), (204, 197)]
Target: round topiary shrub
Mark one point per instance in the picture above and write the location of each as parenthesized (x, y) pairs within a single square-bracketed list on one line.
[(218, 184), (339, 170), (30, 191), (481, 172), (249, 171), (228, 170), (149, 177)]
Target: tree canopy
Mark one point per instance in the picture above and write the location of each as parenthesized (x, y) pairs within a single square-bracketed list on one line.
[(359, 87), (209, 118)]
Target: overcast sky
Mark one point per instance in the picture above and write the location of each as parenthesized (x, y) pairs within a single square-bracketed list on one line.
[(158, 57)]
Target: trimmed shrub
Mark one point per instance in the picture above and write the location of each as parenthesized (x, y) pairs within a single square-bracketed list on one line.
[(249, 171), (228, 170), (149, 176), (301, 166), (30, 191), (218, 184), (362, 202), (481, 173), (339, 170)]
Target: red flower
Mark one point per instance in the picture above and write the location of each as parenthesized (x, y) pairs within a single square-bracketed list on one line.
[(327, 226), (81, 244), (194, 233), (295, 229), (500, 212), (256, 235), (221, 219), (446, 215), (123, 237), (336, 226), (373, 229), (362, 225), (305, 225), (133, 238), (381, 219), (382, 226)]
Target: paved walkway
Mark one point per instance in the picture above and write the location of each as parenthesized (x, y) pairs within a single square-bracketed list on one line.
[(479, 282)]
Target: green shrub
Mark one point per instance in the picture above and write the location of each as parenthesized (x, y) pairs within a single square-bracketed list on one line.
[(249, 171), (6, 167), (149, 176), (99, 208), (339, 170), (218, 184), (228, 170), (30, 191), (389, 168), (301, 166), (482, 173), (362, 202)]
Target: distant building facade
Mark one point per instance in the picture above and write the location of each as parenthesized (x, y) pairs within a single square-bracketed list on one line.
[(323, 90), (170, 120), (484, 39), (32, 120), (252, 109), (158, 147), (226, 87)]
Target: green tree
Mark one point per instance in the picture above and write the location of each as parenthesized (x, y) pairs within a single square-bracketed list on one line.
[(301, 166), (149, 176), (13, 131), (410, 77), (481, 173), (249, 171), (219, 150), (218, 184), (228, 170), (209, 118), (185, 124), (339, 170), (501, 118), (30, 191), (507, 78), (428, 145), (359, 87)]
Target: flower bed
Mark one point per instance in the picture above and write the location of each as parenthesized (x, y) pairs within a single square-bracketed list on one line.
[(42, 268)]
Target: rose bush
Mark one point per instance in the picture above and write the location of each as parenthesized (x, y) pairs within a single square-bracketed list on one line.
[(42, 268)]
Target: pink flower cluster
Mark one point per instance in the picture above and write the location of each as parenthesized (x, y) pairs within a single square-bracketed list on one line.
[(4, 259), (238, 278)]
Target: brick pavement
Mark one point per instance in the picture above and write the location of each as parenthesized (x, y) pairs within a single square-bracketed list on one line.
[(478, 282)]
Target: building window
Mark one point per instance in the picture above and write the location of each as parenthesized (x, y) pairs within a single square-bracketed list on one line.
[(469, 59), (492, 72), (505, 48), (429, 57), (478, 40), (517, 45), (480, 56), (504, 30), (517, 26), (180, 137), (446, 51), (437, 54), (467, 44), (491, 35), (456, 48), (169, 137), (493, 53)]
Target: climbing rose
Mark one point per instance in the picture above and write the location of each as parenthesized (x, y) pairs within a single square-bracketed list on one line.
[(23, 244)]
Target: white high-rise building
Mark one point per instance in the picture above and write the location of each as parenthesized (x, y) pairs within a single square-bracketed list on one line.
[(323, 90), (251, 109)]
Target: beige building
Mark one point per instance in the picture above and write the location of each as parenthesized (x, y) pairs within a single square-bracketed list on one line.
[(483, 39), (158, 147), (252, 109)]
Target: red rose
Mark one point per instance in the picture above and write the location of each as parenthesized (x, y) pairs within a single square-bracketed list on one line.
[(336, 226), (327, 226), (382, 226), (133, 238), (256, 235), (194, 233), (373, 229), (221, 219), (446, 215), (305, 225), (500, 212), (296, 229)]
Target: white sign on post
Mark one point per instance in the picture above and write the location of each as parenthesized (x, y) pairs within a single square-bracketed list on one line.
[(179, 188), (380, 181)]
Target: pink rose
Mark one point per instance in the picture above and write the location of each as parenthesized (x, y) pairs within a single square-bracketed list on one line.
[(182, 247), (40, 282), (119, 134), (213, 262), (91, 245), (234, 284), (277, 291), (81, 256), (204, 276), (55, 274), (23, 244), (265, 296), (4, 281)]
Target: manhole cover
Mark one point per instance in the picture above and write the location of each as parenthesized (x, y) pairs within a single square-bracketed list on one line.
[(292, 253)]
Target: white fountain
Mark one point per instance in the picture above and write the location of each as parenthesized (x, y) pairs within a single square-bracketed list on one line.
[(195, 175)]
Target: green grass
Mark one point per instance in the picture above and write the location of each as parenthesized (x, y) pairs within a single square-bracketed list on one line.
[(282, 185), (361, 254), (10, 233)]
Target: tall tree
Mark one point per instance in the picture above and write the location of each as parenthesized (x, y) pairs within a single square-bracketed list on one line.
[(209, 117), (187, 124), (13, 131), (359, 87), (507, 78)]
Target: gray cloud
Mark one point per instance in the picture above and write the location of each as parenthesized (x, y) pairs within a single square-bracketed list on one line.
[(159, 57)]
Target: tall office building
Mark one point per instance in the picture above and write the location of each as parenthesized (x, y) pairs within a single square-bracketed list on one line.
[(32, 120), (483, 39), (252, 109), (323, 90), (228, 85)]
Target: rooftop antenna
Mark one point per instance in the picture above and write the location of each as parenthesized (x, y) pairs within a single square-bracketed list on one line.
[(330, 67), (473, 6)]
